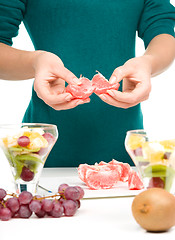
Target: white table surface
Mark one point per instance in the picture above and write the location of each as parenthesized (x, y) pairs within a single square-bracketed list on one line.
[(109, 218)]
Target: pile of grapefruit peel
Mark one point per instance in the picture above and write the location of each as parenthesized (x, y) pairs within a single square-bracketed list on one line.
[(98, 85), (105, 175)]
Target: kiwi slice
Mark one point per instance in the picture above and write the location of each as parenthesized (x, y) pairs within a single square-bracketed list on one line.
[(28, 157), (18, 167), (21, 149), (158, 170), (26, 160)]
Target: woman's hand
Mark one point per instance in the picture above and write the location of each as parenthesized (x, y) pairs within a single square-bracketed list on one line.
[(49, 83), (136, 75)]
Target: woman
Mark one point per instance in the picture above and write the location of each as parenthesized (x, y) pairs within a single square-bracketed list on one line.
[(76, 37)]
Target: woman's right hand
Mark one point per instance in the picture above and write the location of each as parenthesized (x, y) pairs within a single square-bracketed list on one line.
[(49, 83)]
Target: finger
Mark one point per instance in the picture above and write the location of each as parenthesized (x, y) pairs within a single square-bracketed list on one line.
[(67, 76), (69, 105), (120, 73), (49, 98), (132, 97), (117, 75), (111, 101), (57, 86)]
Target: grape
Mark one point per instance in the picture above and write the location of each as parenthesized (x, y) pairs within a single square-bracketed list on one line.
[(24, 211), (49, 137), (66, 202), (42, 151), (13, 204), (26, 174), (40, 214), (57, 210), (138, 151), (25, 197), (78, 203), (62, 188), (5, 214), (35, 206), (23, 141), (16, 215), (72, 193), (47, 205), (49, 213), (167, 155), (2, 193), (37, 197), (70, 207), (156, 182), (81, 192), (62, 200)]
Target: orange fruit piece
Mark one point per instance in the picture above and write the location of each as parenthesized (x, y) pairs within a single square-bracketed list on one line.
[(36, 140), (153, 151), (135, 141), (168, 144), (10, 141)]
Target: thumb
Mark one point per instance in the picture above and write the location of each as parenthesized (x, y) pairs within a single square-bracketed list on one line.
[(118, 74), (67, 76)]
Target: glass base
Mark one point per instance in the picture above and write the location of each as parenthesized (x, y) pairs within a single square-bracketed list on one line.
[(167, 183), (30, 187)]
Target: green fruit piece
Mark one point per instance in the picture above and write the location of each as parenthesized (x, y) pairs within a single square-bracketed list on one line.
[(28, 161), (20, 149), (28, 157), (33, 166), (31, 150), (18, 167), (15, 149), (158, 170)]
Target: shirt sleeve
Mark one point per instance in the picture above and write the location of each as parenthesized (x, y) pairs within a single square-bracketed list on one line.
[(11, 15), (158, 17)]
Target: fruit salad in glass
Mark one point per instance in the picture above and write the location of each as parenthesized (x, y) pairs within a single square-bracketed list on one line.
[(26, 147), (154, 159)]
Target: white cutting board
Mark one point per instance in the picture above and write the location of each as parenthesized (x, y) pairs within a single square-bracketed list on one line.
[(52, 178)]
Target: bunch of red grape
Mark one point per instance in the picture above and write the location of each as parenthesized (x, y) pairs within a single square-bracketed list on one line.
[(65, 202)]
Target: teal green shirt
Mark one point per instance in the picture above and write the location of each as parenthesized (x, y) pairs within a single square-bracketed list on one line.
[(88, 35)]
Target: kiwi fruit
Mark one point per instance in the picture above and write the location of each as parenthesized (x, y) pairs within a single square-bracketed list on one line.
[(154, 210)]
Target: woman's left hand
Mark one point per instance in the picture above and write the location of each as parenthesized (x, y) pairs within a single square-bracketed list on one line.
[(136, 75)]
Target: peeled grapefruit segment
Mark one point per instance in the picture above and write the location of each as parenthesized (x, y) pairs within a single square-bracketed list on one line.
[(102, 163), (101, 84), (134, 181), (82, 170), (124, 171), (101, 179), (105, 175), (81, 91)]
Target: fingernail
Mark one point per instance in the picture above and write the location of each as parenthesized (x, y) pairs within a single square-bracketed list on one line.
[(87, 101), (68, 98), (103, 97), (111, 93), (79, 102), (76, 81), (113, 80)]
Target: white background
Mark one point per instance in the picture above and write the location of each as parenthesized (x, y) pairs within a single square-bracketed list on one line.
[(158, 111), (158, 116)]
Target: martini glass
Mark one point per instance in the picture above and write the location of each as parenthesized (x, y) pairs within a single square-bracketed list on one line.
[(26, 147), (154, 159)]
